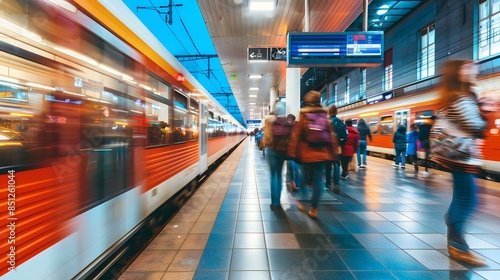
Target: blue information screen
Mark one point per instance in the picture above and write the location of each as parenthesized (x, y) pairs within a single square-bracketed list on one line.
[(318, 49)]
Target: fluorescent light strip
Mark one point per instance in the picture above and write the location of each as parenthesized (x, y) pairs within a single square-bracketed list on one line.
[(252, 95), (254, 88), (39, 86), (254, 76), (261, 5)]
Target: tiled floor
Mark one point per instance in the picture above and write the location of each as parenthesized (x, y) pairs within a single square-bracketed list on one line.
[(385, 224)]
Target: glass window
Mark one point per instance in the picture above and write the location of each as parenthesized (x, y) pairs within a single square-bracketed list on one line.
[(402, 118), (373, 123), (387, 123), (159, 130), (427, 52), (347, 89), (388, 77), (192, 129), (489, 28), (362, 85)]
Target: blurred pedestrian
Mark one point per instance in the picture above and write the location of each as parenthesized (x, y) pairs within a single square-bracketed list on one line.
[(461, 124), (276, 138), (292, 168), (349, 148), (399, 140), (424, 131), (340, 131), (412, 140), (313, 144), (364, 135)]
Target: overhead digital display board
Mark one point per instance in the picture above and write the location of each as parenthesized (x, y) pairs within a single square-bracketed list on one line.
[(335, 49)]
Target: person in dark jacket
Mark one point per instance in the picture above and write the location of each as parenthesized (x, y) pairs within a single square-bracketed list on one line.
[(399, 140), (364, 134), (412, 139), (312, 157), (424, 131), (332, 113)]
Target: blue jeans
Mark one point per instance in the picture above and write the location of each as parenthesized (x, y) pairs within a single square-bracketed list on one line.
[(276, 160), (462, 205), (362, 152), (328, 172), (292, 172), (316, 170), (400, 156)]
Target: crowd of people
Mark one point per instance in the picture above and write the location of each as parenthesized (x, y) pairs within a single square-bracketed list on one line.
[(319, 143)]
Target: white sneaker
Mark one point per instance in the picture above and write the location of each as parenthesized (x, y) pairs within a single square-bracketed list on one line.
[(362, 166), (395, 165), (425, 174)]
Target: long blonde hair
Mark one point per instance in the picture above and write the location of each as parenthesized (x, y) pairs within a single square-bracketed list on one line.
[(451, 86)]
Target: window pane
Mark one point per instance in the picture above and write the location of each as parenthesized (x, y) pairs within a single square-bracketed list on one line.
[(495, 6), (484, 10), (386, 125), (373, 123), (424, 41)]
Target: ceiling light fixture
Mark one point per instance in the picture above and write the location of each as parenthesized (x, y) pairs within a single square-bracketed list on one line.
[(254, 88), (383, 10), (262, 5), (252, 95), (255, 76)]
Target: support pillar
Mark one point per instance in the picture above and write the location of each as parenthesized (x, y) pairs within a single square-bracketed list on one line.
[(293, 91), (273, 95)]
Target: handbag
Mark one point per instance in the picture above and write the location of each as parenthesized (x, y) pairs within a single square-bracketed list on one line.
[(443, 143)]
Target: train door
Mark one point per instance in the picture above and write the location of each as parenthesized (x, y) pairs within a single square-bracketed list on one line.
[(203, 137), (402, 117)]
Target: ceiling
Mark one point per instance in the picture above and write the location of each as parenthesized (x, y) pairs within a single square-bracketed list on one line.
[(211, 38)]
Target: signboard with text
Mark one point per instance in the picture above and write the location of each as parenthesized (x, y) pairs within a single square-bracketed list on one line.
[(335, 49)]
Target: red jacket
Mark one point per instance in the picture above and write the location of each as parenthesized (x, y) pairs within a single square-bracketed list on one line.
[(351, 146), (298, 147)]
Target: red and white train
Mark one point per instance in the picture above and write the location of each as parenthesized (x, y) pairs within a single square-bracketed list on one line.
[(384, 112), (96, 132)]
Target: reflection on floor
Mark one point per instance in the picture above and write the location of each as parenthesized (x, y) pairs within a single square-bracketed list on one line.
[(385, 224)]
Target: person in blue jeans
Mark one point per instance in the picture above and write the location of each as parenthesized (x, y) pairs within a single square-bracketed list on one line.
[(412, 139), (364, 134), (399, 140), (463, 120)]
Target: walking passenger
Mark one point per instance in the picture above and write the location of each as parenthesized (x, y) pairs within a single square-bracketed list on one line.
[(342, 135), (292, 168), (349, 148), (424, 131), (461, 121), (412, 139), (276, 137), (364, 135), (399, 140), (312, 144)]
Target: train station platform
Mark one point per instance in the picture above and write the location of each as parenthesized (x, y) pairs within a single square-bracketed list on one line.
[(386, 223)]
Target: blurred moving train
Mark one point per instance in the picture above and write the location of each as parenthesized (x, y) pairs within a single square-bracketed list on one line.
[(386, 111), (96, 132)]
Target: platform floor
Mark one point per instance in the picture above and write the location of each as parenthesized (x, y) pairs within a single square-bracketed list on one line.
[(385, 224)]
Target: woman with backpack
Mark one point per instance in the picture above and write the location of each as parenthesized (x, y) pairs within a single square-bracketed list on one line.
[(276, 137), (349, 148), (313, 144)]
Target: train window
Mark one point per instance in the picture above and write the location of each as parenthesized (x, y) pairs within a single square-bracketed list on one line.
[(422, 115), (402, 118), (373, 123), (23, 140), (181, 122), (387, 123), (193, 105), (192, 129), (159, 129)]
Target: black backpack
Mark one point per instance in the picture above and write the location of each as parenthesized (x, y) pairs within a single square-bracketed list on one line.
[(341, 131)]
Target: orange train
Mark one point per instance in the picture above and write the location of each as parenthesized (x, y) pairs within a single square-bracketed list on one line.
[(383, 113), (95, 133)]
